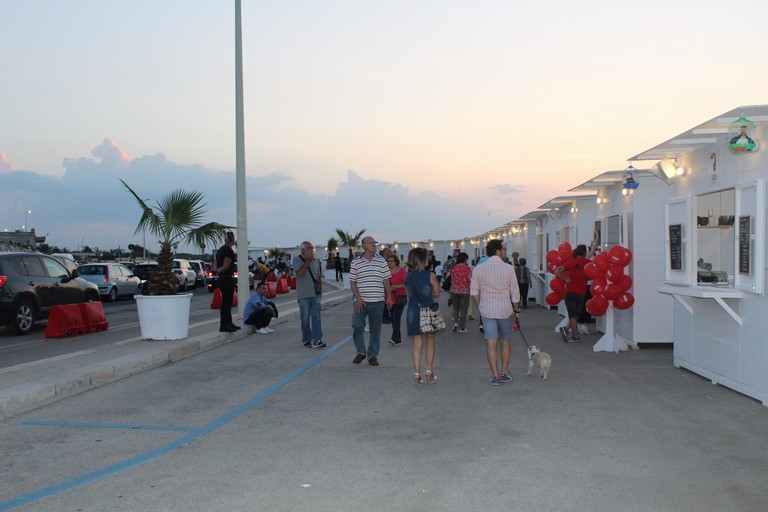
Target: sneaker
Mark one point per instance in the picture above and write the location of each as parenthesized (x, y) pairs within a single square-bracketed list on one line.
[(495, 381), (367, 329), (482, 329), (395, 343), (318, 344), (307, 344), (462, 331), (564, 333), (455, 327), (573, 339), (583, 329), (471, 317), (269, 330), (505, 377), (263, 330)]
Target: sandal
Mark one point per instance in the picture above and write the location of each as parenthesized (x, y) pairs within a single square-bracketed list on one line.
[(431, 377), (417, 378)]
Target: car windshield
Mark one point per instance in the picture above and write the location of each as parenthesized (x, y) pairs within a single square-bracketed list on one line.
[(91, 270)]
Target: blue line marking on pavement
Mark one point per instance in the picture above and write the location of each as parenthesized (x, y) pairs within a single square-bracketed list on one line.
[(104, 425), (190, 438), (260, 356)]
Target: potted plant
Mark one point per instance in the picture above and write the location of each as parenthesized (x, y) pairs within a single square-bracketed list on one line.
[(177, 218)]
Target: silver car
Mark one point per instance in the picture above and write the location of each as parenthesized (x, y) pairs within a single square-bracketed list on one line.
[(184, 272), (113, 279)]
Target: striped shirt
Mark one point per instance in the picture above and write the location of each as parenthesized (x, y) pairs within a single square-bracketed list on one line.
[(496, 284), (369, 277)]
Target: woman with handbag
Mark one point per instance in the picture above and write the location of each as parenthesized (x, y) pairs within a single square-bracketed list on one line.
[(399, 296), (422, 318)]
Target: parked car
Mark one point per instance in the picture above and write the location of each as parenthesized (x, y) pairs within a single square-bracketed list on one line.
[(113, 279), (183, 269), (201, 277), (213, 280), (143, 271), (31, 283)]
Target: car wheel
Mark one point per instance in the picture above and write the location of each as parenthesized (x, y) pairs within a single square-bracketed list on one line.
[(23, 317), (183, 286), (112, 294), (139, 290), (92, 297)]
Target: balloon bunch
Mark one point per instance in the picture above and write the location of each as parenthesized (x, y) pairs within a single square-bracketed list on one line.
[(606, 270)]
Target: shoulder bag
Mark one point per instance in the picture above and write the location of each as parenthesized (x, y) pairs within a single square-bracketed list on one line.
[(318, 284)]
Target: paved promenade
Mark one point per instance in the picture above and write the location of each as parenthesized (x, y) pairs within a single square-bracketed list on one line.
[(261, 423)]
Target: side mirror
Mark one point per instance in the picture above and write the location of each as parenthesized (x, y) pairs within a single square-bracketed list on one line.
[(75, 273)]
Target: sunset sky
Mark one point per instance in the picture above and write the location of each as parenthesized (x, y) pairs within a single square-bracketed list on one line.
[(412, 119)]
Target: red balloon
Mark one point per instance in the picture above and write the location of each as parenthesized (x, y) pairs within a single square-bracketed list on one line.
[(565, 246), (553, 299), (564, 255), (594, 309), (600, 302), (616, 254), (568, 265), (558, 286), (602, 262), (552, 256), (624, 282), (598, 286), (614, 273), (591, 271), (552, 267), (627, 258), (624, 301), (612, 292)]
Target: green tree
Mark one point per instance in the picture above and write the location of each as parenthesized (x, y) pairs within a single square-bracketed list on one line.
[(350, 241), (333, 246), (176, 218)]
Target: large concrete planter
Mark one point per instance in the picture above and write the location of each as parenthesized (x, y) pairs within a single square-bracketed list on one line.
[(164, 317)]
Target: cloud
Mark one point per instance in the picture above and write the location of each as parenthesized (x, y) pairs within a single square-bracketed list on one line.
[(505, 188), (5, 164), (89, 206)]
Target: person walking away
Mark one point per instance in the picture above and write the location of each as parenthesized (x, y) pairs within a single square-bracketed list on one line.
[(439, 272), (259, 311), (524, 282), (495, 290), (225, 268), (369, 280), (399, 296), (576, 284), (461, 277), (309, 290), (338, 267), (422, 288)]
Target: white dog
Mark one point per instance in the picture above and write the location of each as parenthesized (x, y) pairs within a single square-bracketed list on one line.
[(538, 358)]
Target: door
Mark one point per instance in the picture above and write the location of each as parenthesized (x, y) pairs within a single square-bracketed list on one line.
[(38, 281), (63, 291)]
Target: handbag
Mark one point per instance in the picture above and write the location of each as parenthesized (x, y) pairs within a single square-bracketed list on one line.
[(447, 283), (316, 282), (431, 321), (401, 300)]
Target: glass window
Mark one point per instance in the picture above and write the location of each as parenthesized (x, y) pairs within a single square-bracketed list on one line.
[(54, 268), (34, 267)]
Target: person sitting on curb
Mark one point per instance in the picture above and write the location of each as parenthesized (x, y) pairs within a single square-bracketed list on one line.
[(258, 311)]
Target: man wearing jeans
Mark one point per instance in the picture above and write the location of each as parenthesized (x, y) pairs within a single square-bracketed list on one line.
[(369, 279), (309, 285), (495, 290)]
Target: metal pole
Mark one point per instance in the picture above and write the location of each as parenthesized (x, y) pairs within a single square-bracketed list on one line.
[(242, 220)]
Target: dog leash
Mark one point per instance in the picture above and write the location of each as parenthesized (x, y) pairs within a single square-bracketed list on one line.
[(516, 325)]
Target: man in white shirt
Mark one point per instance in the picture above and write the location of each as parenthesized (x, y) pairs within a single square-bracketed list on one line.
[(495, 290)]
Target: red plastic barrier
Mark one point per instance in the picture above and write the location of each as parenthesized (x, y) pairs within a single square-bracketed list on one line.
[(282, 286), (293, 282), (93, 316), (271, 292), (65, 320), (271, 277)]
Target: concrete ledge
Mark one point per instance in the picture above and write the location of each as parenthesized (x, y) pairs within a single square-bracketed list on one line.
[(25, 397)]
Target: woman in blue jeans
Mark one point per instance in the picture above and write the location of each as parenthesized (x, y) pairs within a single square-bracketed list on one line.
[(422, 288)]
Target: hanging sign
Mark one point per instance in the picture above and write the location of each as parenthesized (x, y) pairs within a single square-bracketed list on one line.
[(740, 141)]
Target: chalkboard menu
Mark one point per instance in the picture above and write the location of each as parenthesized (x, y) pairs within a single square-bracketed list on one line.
[(676, 246), (745, 244)]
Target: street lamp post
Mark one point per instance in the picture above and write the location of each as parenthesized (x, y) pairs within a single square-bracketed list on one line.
[(26, 224)]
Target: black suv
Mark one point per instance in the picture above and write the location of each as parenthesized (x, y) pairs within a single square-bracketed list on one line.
[(143, 271), (30, 283)]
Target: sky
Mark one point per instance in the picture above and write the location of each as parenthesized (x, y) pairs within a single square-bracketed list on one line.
[(416, 120)]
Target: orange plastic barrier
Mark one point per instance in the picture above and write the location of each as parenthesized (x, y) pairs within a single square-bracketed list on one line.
[(93, 316), (65, 320), (282, 286), (216, 300), (271, 292), (271, 277)]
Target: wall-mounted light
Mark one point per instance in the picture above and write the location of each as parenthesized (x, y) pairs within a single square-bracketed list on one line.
[(599, 200), (574, 209)]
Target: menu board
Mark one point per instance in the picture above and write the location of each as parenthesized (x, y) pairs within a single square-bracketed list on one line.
[(676, 246), (745, 244)]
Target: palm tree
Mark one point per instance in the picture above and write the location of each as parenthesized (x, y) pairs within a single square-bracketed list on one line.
[(333, 246), (176, 218), (349, 240)]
